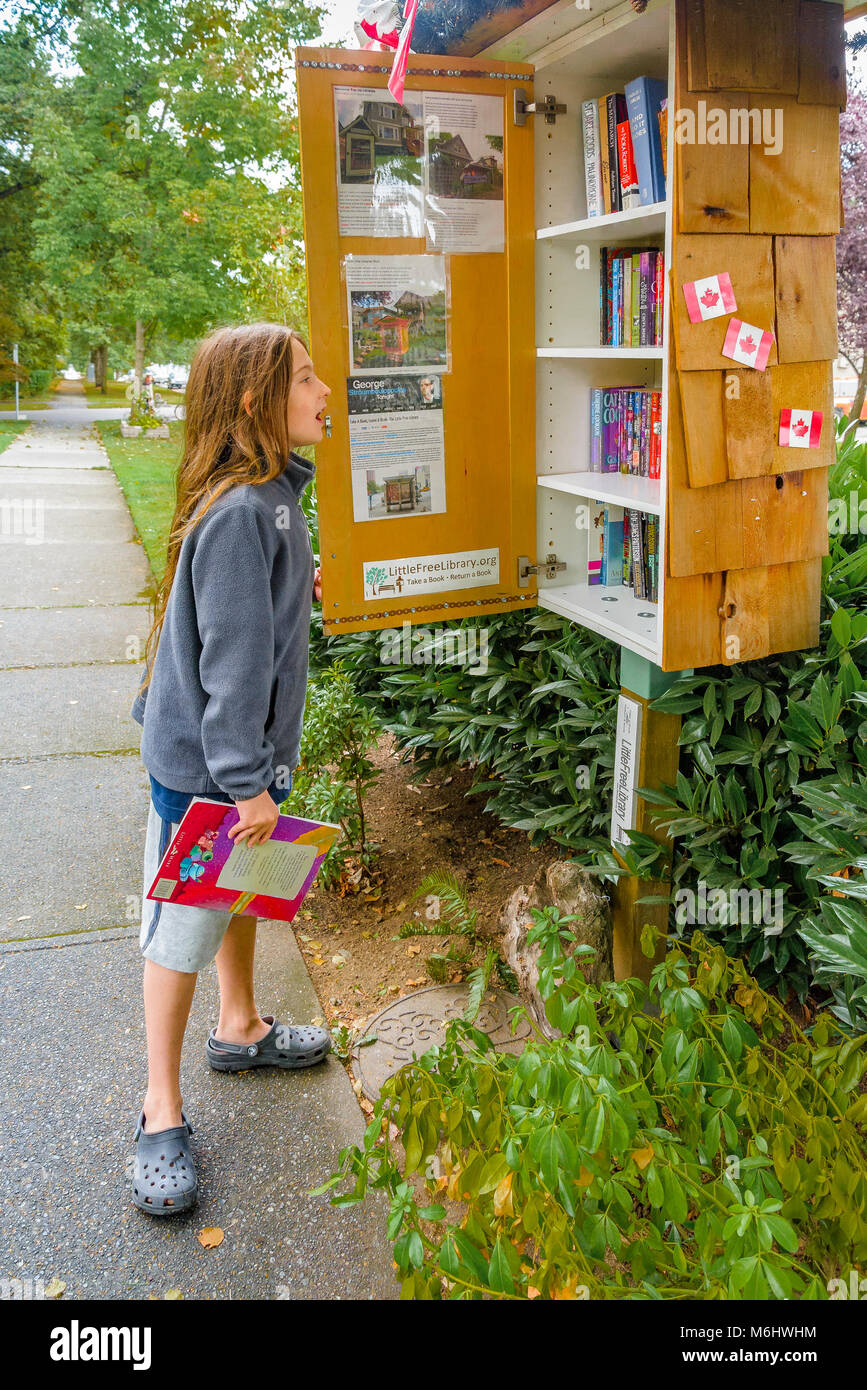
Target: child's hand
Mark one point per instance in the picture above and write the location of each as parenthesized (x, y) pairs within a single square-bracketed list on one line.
[(317, 584), (258, 817)]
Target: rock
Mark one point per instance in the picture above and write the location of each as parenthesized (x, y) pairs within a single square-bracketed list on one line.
[(566, 886)]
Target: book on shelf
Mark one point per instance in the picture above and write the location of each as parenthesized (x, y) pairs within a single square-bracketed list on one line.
[(629, 191), (605, 545), (644, 96), (624, 136), (641, 554), (662, 119), (592, 161), (625, 430), (631, 286)]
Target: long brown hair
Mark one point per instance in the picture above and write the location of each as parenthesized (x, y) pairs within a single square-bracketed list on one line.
[(224, 445)]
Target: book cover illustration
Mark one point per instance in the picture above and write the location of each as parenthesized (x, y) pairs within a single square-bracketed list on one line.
[(204, 867)]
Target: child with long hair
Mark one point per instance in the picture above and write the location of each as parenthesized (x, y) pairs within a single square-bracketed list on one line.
[(221, 706)]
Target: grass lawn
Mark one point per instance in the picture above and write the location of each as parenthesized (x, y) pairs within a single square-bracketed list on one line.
[(8, 430), (25, 403), (115, 395), (145, 470)]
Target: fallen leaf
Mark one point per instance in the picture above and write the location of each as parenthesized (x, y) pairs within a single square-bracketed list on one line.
[(533, 1292), (211, 1237), (173, 1294), (501, 861), (315, 945), (413, 948), (55, 1288), (79, 907), (400, 907), (414, 984), (317, 960), (338, 961), (318, 1021)]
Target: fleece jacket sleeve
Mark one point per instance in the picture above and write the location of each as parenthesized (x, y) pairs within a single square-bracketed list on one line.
[(231, 575)]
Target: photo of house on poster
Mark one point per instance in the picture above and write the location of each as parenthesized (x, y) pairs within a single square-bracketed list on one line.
[(380, 176), (463, 209), (396, 446), (397, 312), (423, 574)]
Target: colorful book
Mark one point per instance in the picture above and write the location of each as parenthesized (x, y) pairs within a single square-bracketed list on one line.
[(615, 111), (626, 167), (204, 867), (592, 164), (596, 436), (612, 549), (604, 161), (643, 98)]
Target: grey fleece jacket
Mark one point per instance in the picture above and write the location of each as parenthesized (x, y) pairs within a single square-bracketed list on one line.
[(225, 705)]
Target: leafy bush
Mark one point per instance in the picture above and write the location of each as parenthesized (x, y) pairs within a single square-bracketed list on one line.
[(40, 381), (140, 413), (701, 1147), (334, 773)]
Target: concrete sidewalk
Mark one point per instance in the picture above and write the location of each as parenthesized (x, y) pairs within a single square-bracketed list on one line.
[(75, 586)]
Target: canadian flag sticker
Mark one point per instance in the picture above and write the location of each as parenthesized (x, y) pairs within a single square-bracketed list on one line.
[(709, 298), (800, 429), (747, 344)]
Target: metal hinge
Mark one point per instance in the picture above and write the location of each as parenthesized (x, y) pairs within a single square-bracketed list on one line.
[(550, 569), (550, 108)]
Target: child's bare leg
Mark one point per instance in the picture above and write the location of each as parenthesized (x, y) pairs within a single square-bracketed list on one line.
[(239, 1017), (168, 995)]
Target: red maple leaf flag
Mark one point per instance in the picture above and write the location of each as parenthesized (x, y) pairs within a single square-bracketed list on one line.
[(800, 429), (709, 298), (747, 344)]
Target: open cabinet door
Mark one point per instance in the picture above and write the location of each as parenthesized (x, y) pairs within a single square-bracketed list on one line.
[(422, 533)]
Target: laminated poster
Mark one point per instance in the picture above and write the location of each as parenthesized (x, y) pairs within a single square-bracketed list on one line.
[(397, 315), (380, 162), (463, 172), (396, 446)]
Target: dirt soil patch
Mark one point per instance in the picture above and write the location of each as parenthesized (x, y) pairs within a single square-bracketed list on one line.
[(348, 943)]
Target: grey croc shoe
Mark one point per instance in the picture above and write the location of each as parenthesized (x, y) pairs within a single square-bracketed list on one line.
[(298, 1045), (164, 1176)]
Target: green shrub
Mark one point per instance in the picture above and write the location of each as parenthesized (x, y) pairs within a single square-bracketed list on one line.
[(701, 1147), (39, 381), (335, 772)]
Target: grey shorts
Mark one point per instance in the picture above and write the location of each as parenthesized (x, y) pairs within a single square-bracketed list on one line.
[(180, 938)]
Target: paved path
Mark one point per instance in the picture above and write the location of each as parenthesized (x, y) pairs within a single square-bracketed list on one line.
[(74, 587)]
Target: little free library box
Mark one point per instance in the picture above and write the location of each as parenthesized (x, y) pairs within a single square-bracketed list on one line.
[(609, 236)]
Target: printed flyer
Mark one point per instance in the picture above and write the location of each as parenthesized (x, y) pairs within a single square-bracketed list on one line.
[(422, 574), (380, 154), (397, 313), (396, 446), (463, 172)]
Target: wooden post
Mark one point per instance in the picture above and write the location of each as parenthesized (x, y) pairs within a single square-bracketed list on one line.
[(657, 763)]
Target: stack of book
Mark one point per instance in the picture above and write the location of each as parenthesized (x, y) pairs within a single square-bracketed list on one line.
[(623, 147), (626, 430), (624, 550), (631, 289)]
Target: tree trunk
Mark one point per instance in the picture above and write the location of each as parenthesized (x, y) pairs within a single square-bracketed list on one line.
[(139, 354), (99, 357), (860, 391)]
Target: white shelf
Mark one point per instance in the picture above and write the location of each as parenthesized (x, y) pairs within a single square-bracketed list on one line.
[(611, 610), (602, 354), (621, 489), (644, 221)]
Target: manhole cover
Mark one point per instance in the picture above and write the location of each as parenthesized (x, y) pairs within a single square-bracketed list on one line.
[(415, 1023)]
